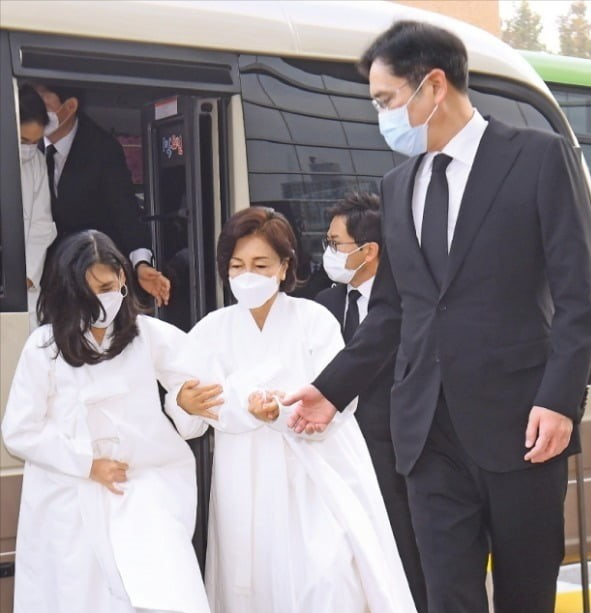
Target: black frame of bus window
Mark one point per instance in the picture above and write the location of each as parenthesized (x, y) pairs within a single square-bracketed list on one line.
[(13, 289)]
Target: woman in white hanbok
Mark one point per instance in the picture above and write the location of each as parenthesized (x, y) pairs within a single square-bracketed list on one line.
[(109, 491), (297, 523)]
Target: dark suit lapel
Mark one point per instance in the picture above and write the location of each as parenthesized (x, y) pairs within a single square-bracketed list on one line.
[(77, 157), (493, 161), (336, 302)]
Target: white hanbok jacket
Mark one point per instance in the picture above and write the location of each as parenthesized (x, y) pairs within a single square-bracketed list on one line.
[(40, 230), (297, 524), (81, 548)]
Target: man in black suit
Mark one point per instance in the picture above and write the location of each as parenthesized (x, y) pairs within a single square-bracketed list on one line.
[(484, 292), (91, 186), (352, 253)]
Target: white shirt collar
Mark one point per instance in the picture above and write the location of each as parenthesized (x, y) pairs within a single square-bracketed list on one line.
[(64, 144), (463, 146), (364, 288)]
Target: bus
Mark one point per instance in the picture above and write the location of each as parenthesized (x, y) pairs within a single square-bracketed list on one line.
[(569, 80), (271, 111)]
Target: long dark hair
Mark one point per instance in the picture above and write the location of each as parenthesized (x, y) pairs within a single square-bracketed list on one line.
[(70, 306)]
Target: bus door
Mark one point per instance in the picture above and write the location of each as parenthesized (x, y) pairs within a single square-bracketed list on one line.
[(181, 203)]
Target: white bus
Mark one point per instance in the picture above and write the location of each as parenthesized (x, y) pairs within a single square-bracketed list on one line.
[(271, 111)]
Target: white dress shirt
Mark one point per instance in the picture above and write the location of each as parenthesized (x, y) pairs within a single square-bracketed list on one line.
[(62, 149), (365, 290), (462, 149)]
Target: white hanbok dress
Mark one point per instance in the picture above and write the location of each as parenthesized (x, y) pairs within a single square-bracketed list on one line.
[(81, 548), (297, 524)]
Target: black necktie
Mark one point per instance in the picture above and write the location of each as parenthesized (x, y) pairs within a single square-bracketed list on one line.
[(49, 155), (352, 316), (434, 229)]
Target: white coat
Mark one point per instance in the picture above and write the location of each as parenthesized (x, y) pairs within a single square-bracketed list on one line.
[(79, 546), (297, 524), (40, 230)]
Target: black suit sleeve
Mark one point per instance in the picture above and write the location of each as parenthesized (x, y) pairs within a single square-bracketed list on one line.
[(374, 343), (565, 221), (118, 192)]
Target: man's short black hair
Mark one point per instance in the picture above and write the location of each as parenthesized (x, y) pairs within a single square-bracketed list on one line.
[(361, 211), (31, 106), (413, 48)]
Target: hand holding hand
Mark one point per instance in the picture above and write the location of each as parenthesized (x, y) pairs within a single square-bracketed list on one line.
[(547, 434), (199, 399), (313, 413), (109, 472), (153, 282), (264, 406)]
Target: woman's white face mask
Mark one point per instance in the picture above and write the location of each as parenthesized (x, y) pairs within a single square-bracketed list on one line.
[(252, 290), (111, 304)]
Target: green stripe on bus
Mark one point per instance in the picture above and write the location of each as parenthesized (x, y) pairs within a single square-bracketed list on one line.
[(560, 68)]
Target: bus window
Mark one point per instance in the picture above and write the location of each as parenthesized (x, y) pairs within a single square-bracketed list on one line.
[(576, 105), (569, 79)]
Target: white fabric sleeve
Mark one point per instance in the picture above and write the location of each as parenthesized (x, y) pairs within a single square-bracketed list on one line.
[(141, 255), (29, 430), (324, 340), (168, 349), (40, 230)]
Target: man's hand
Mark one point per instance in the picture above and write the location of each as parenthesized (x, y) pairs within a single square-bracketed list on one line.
[(200, 399), (313, 413), (153, 282), (108, 473), (547, 434)]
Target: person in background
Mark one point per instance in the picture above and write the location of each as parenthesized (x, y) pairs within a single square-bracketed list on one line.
[(109, 490), (297, 523), (39, 227), (90, 186), (351, 257), (484, 292)]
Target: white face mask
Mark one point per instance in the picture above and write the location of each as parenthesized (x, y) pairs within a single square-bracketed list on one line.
[(252, 290), (53, 125), (27, 152), (335, 265), (399, 134), (111, 303)]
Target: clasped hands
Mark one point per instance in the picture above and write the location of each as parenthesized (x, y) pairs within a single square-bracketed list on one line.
[(264, 405), (201, 400)]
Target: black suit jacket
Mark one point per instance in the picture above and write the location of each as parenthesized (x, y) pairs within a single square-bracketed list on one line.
[(511, 326), (95, 190), (373, 406)]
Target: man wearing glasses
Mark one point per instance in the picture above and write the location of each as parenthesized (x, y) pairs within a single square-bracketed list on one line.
[(484, 293), (351, 257)]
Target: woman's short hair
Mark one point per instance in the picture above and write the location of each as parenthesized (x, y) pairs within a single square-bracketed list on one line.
[(70, 306), (31, 106), (272, 227)]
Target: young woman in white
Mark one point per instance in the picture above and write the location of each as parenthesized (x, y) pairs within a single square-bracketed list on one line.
[(297, 523), (108, 500)]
